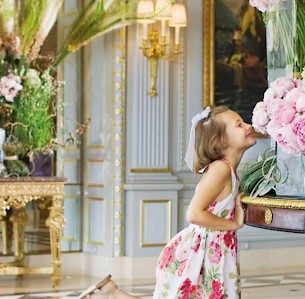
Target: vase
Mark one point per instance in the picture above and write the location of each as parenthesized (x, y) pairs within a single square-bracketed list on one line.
[(42, 164), (285, 39), (290, 174)]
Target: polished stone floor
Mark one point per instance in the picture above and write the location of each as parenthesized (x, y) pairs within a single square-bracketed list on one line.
[(276, 286)]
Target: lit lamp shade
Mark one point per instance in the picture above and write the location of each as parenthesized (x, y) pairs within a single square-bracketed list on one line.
[(178, 20), (145, 11), (163, 9), (178, 16)]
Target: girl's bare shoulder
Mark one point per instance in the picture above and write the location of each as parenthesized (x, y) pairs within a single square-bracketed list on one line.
[(219, 167)]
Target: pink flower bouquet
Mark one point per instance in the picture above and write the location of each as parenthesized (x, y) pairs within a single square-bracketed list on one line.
[(281, 114)]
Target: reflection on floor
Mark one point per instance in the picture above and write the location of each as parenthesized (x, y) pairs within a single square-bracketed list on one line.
[(280, 286)]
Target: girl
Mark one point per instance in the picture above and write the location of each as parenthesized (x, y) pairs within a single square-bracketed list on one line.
[(202, 260)]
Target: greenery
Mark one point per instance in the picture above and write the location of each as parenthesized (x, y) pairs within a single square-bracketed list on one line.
[(28, 82), (261, 177), (288, 19)]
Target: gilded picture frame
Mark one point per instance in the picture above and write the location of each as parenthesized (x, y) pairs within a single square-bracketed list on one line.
[(212, 62)]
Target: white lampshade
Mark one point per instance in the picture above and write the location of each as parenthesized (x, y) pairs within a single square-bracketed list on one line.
[(145, 11), (178, 16), (163, 9)]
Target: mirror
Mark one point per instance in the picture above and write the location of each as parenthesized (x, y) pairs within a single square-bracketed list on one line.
[(234, 62)]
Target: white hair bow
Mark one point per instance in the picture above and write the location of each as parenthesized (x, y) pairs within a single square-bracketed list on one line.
[(189, 156)]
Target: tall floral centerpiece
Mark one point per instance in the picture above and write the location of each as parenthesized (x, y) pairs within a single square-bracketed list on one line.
[(281, 114), (28, 83)]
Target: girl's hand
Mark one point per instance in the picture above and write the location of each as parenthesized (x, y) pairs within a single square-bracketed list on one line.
[(239, 216)]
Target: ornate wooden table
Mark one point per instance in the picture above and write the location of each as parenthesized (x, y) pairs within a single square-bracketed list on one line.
[(282, 214), (15, 193)]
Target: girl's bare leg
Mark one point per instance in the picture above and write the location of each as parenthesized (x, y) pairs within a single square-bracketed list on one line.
[(111, 291)]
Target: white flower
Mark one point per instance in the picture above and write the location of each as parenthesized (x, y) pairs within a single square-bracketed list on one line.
[(32, 79)]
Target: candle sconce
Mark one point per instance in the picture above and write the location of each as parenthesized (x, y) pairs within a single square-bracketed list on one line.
[(156, 48)]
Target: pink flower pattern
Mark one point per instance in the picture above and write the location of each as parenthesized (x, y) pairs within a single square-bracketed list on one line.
[(199, 263)]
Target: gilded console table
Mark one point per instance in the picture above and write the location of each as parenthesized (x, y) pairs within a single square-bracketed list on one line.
[(282, 214), (15, 193)]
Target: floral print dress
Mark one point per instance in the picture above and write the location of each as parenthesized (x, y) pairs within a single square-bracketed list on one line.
[(201, 263)]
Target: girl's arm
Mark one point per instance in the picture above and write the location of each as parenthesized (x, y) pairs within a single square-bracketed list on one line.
[(215, 184)]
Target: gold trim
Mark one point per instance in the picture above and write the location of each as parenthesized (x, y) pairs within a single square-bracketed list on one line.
[(268, 216), (169, 228), (283, 203), (88, 241), (88, 161), (148, 170), (208, 53)]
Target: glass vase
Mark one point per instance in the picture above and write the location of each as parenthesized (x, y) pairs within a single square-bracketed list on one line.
[(285, 39), (290, 173)]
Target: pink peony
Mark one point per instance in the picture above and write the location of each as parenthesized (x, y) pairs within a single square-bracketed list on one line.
[(263, 5), (284, 113), (260, 117), (298, 127), (259, 4), (282, 85), (288, 140), (270, 94), (281, 114)]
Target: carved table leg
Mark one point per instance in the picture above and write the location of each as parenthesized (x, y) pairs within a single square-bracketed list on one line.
[(56, 222), (7, 233), (19, 219)]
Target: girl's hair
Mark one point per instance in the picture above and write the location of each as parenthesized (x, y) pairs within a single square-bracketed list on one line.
[(209, 139)]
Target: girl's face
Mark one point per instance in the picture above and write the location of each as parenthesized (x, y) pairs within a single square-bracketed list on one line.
[(238, 133)]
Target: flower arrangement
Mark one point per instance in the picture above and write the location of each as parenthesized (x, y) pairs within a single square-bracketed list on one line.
[(281, 114), (28, 81)]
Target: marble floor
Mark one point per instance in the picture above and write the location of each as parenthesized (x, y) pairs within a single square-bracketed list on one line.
[(276, 286)]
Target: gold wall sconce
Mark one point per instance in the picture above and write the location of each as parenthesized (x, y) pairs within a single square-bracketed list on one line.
[(154, 45)]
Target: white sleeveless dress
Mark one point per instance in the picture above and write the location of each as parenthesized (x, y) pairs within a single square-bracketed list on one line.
[(201, 263)]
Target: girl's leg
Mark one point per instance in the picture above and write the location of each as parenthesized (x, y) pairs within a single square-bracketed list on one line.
[(111, 291)]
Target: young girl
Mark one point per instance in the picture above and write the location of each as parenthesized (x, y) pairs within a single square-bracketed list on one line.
[(202, 260)]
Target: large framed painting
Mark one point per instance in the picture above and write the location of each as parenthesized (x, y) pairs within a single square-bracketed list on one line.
[(234, 62)]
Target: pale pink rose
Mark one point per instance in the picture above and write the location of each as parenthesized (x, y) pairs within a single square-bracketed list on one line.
[(287, 139), (214, 253), (282, 85), (182, 267), (260, 117), (183, 251), (298, 127)]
